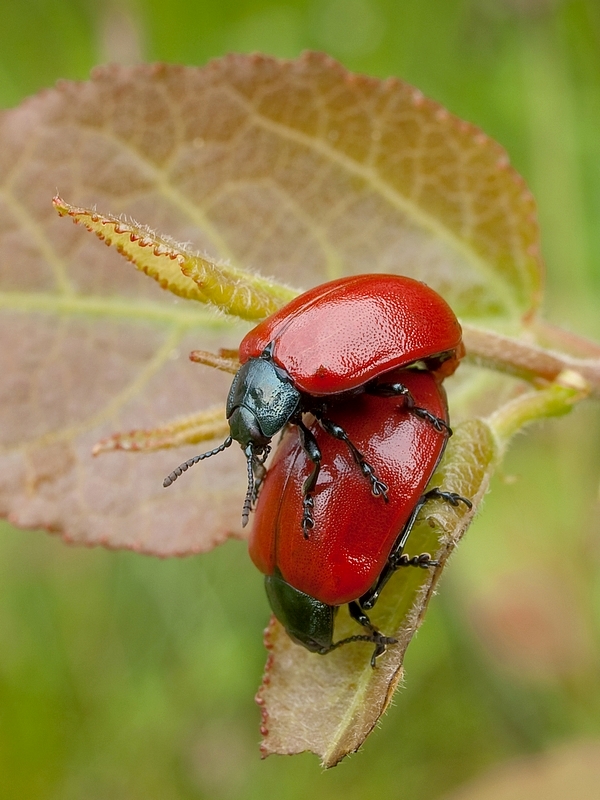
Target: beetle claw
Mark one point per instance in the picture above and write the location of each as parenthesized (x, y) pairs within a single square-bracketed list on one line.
[(308, 521), (423, 560), (378, 488), (439, 424), (381, 645), (451, 497)]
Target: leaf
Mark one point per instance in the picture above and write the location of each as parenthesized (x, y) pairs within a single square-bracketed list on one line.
[(298, 169), (177, 268), (178, 432)]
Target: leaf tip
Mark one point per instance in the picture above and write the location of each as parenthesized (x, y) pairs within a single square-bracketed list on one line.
[(59, 204)]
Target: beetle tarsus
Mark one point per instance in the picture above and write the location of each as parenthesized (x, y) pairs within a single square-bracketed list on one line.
[(248, 500), (380, 641), (378, 488), (397, 558), (308, 521), (381, 645), (400, 390), (423, 560), (451, 497), (439, 424), (312, 450), (260, 473)]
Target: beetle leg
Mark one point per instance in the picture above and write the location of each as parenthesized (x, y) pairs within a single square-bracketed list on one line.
[(312, 450), (379, 640), (400, 390), (398, 558), (378, 488), (450, 497)]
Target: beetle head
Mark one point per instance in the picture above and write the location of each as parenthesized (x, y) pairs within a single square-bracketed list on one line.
[(262, 399)]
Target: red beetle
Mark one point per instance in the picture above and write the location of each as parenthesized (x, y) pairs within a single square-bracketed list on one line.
[(338, 338), (356, 542)]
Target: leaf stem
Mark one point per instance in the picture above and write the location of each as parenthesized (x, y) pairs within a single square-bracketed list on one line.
[(527, 360), (554, 336)]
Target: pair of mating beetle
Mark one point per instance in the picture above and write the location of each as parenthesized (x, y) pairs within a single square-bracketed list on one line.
[(338, 502)]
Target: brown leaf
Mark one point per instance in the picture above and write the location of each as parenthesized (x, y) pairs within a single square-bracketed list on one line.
[(299, 169)]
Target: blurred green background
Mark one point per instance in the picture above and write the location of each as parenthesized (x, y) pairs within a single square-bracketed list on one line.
[(127, 677)]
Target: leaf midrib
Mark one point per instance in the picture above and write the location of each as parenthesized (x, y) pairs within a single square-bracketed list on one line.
[(181, 313)]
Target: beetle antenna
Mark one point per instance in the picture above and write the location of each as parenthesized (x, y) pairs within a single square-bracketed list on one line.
[(172, 477), (250, 493)]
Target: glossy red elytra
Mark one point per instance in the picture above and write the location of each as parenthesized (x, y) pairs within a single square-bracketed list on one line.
[(340, 335)]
